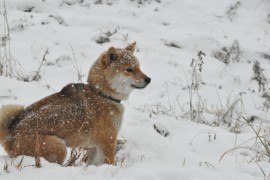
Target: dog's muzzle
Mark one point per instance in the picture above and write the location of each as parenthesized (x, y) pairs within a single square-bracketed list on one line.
[(147, 80)]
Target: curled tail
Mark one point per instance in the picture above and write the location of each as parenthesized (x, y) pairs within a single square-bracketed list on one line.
[(8, 113)]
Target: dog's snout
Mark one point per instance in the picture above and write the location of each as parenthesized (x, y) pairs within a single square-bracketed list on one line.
[(147, 80)]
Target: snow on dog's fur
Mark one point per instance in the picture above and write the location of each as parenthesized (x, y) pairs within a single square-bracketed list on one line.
[(80, 115)]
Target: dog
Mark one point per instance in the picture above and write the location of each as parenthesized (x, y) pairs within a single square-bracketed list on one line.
[(80, 115)]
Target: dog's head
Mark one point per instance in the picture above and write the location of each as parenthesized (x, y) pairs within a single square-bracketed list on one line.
[(121, 70)]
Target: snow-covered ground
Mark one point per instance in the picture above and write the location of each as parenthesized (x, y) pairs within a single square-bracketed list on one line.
[(169, 34)]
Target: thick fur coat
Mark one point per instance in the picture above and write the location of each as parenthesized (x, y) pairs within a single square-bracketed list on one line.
[(80, 115)]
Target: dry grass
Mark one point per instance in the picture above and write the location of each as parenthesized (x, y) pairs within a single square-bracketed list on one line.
[(257, 149), (196, 113), (9, 66), (78, 156)]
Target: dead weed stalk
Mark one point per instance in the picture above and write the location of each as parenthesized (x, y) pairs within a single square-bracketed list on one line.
[(9, 66)]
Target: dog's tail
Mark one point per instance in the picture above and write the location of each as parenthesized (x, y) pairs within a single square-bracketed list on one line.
[(8, 114)]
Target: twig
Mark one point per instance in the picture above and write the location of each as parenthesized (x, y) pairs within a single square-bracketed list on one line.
[(205, 132), (206, 163), (79, 74), (219, 97), (6, 26), (37, 75), (7, 97)]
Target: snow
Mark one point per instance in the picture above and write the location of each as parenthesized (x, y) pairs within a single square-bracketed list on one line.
[(192, 150)]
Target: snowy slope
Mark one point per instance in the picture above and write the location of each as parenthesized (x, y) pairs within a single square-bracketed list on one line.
[(169, 34)]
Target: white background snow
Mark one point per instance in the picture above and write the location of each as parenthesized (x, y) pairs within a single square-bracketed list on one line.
[(192, 149)]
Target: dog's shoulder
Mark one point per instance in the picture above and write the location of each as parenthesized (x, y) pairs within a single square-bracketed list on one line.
[(73, 89)]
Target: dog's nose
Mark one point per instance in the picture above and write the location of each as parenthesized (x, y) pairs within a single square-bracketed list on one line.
[(147, 80)]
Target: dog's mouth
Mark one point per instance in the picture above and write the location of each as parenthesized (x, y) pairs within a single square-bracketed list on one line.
[(138, 87)]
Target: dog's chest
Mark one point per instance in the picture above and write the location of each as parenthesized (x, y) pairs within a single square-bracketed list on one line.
[(114, 114), (105, 113), (117, 117)]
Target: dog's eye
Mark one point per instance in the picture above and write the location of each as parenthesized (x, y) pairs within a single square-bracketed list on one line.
[(128, 70)]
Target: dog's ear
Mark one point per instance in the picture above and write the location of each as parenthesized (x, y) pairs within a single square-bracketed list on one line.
[(131, 47), (112, 55)]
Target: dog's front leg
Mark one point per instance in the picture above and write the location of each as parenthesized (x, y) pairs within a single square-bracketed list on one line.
[(107, 145), (108, 151), (105, 141)]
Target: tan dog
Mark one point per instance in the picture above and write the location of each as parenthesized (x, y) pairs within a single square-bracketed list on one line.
[(80, 115)]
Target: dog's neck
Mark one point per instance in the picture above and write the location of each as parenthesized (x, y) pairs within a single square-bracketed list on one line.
[(97, 80), (102, 94)]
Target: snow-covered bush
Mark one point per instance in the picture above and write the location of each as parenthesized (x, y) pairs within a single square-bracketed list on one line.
[(232, 11), (259, 76), (143, 2), (229, 54)]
